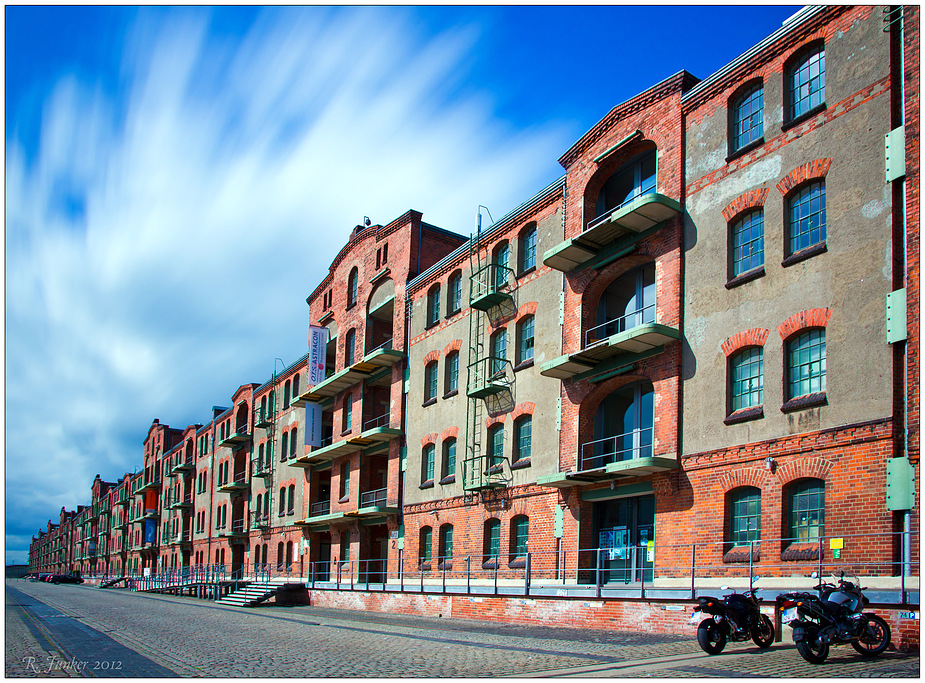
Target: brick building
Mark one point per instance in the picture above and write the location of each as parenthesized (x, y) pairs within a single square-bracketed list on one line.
[(699, 346)]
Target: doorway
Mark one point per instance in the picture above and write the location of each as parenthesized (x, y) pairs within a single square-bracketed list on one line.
[(624, 529)]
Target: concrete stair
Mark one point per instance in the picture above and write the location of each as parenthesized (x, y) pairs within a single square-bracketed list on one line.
[(253, 593)]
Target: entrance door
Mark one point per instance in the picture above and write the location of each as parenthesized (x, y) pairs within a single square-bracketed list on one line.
[(625, 531), (237, 561), (323, 566)]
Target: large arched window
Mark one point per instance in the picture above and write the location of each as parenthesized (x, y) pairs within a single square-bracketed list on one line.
[(747, 119), (806, 83), (352, 288), (629, 301), (632, 180), (623, 427), (805, 511)]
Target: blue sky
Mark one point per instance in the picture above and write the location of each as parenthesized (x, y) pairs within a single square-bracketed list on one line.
[(179, 179)]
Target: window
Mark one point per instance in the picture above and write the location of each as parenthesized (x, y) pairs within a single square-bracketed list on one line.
[(519, 534), (426, 544), (748, 117), (293, 440), (286, 394), (744, 509), (352, 287), (349, 347), (525, 339), (454, 295), (427, 463), (295, 386), (446, 542), (259, 507), (282, 501), (348, 413), (433, 305), (430, 382), (746, 372), (748, 243), (806, 218), (492, 540), (523, 437), (623, 426), (260, 461), (498, 352), (500, 261), (451, 372), (628, 301), (806, 364), (284, 451), (633, 180), (806, 83), (806, 502), (345, 480), (449, 458), (528, 249), (291, 507), (495, 445)]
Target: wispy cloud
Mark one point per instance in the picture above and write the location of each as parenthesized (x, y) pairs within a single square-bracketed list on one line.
[(161, 241)]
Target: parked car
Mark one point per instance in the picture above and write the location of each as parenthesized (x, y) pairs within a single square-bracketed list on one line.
[(66, 578)]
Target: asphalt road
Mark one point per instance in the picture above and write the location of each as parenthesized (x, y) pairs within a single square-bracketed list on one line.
[(68, 631)]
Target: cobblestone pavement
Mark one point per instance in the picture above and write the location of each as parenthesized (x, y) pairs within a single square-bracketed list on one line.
[(200, 638)]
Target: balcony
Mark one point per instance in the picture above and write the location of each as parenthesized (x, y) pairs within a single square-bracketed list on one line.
[(237, 530), (489, 376), (264, 417), (262, 468), (613, 346), (236, 485), (147, 486), (373, 504), (260, 520), (183, 538), (320, 508), (184, 465), (182, 503), (383, 356), (608, 236), (374, 432), (241, 436), (489, 286), (613, 457)]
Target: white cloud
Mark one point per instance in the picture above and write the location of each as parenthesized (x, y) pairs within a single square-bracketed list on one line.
[(160, 248)]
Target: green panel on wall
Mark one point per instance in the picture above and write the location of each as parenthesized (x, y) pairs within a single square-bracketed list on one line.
[(900, 484), (896, 316), (894, 144)]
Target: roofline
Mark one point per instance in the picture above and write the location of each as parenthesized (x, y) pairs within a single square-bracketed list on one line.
[(495, 227), (789, 25)]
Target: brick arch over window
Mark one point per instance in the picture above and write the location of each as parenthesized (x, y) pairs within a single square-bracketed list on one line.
[(814, 317), (750, 200), (590, 403), (595, 289), (432, 356), (811, 171), (449, 432), (610, 164), (804, 468), (493, 420), (741, 340), (454, 345), (526, 408), (429, 438), (751, 476), (528, 308)]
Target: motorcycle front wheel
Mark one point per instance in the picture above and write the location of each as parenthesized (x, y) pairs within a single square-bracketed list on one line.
[(812, 649), (711, 637), (875, 639), (763, 632)]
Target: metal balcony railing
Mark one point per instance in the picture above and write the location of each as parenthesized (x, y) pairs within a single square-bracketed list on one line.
[(601, 332), (374, 498), (386, 346), (320, 508), (604, 217), (629, 446), (381, 421)]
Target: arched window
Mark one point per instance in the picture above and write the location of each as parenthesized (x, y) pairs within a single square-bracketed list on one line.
[(261, 463), (293, 442), (345, 479), (622, 427), (746, 378), (498, 350), (519, 536), (805, 501), (806, 219), (525, 339), (806, 83), (446, 543), (282, 501), (747, 241), (747, 117), (258, 512), (426, 545), (352, 288), (523, 438), (495, 445), (451, 373), (743, 510), (632, 180), (291, 507), (527, 260), (491, 545), (629, 301), (427, 463), (430, 382), (348, 413), (295, 386), (286, 394), (284, 450), (454, 293), (279, 555), (500, 259), (433, 305), (288, 554), (448, 468), (349, 347), (806, 363)]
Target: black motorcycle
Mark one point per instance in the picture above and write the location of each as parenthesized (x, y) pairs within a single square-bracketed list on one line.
[(735, 617), (833, 617)]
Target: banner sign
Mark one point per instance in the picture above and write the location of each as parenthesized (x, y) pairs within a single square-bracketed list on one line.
[(317, 353), (150, 531), (313, 424)]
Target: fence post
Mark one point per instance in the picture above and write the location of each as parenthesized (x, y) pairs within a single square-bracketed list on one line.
[(444, 575), (693, 568), (527, 576), (497, 564), (350, 566), (401, 570), (599, 579), (421, 572), (468, 574), (751, 558), (820, 561)]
